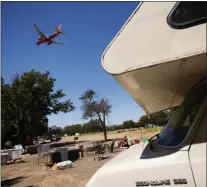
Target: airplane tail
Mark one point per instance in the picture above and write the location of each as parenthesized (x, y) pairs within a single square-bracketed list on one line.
[(59, 29)]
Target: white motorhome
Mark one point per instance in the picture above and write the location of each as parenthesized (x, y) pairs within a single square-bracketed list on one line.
[(159, 58)]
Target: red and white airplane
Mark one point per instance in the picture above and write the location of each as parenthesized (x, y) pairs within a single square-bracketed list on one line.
[(49, 40)]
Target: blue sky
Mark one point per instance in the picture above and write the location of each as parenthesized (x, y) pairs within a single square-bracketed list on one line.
[(90, 26)]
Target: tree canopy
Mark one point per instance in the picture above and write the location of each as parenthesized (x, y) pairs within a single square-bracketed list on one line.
[(55, 130), (95, 107), (28, 101), (129, 124), (157, 119), (91, 126)]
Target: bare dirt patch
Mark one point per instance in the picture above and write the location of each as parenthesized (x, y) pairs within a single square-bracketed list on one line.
[(29, 174)]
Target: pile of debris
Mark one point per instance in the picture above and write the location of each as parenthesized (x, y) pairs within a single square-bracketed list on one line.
[(62, 165)]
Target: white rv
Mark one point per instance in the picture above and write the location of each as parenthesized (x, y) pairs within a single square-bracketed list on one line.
[(159, 58)]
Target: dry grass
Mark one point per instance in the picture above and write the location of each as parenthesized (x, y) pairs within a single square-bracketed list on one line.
[(146, 133)]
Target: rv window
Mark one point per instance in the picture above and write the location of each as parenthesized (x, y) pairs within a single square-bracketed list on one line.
[(179, 125), (188, 14)]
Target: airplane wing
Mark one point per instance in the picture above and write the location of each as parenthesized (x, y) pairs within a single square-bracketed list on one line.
[(58, 42), (39, 32)]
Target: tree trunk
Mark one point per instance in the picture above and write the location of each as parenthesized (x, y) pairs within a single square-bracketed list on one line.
[(105, 133), (103, 125)]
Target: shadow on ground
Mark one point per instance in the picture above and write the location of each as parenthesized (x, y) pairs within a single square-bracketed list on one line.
[(62, 144), (10, 182), (106, 157), (18, 162)]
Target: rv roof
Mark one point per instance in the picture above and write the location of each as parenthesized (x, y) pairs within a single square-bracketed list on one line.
[(146, 39), (156, 64)]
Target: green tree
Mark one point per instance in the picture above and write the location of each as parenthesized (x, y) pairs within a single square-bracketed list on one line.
[(95, 107), (72, 129), (159, 118), (56, 130), (29, 100), (144, 120), (92, 126), (129, 124), (114, 127)]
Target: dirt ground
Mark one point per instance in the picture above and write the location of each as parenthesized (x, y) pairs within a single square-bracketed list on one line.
[(29, 174)]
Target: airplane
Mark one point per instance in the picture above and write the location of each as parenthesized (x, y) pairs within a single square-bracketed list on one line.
[(49, 40)]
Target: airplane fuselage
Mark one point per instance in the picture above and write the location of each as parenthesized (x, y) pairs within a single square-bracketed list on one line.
[(48, 39)]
